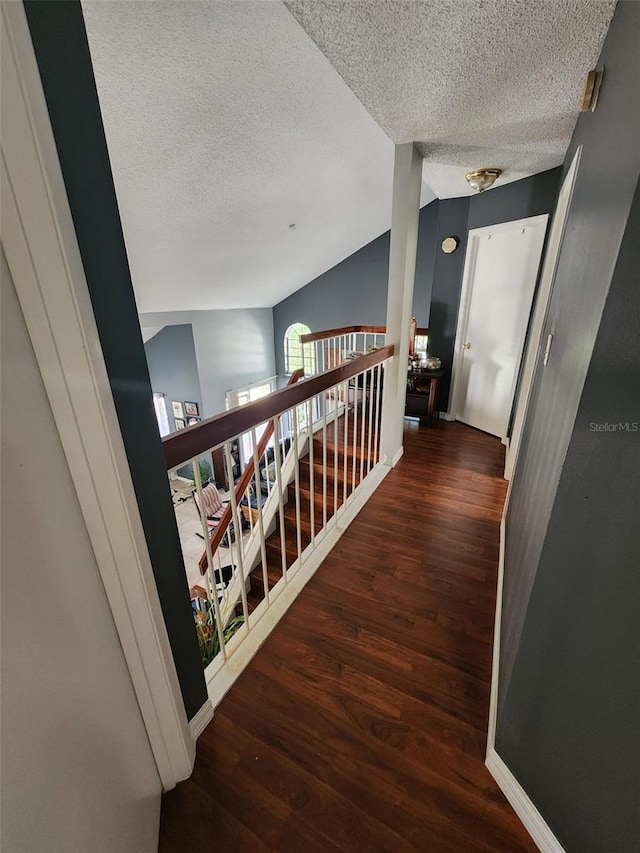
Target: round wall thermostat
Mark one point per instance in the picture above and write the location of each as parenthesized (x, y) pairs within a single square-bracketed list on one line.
[(449, 244)]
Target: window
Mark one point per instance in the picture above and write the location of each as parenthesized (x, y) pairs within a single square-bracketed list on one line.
[(242, 396), (296, 355), (161, 413)]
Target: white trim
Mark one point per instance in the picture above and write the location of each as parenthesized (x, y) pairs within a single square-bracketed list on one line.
[(465, 296), (531, 818), (42, 252), (201, 720), (221, 679), (495, 664), (405, 214), (541, 309)]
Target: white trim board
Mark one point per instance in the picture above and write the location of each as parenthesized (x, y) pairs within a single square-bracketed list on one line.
[(465, 297), (41, 249), (540, 310), (531, 818)]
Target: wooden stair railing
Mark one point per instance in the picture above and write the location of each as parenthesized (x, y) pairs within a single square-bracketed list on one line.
[(242, 485), (348, 330)]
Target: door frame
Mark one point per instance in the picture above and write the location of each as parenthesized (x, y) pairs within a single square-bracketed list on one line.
[(471, 255), (41, 249), (541, 309)]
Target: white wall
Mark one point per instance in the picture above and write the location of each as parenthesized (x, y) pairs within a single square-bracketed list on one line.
[(233, 348), (78, 773)]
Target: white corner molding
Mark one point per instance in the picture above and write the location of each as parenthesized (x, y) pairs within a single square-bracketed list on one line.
[(41, 249), (495, 664), (201, 720), (531, 818)]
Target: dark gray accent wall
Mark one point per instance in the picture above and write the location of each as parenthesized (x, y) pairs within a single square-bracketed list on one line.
[(354, 292), (569, 654), (173, 370), (595, 225), (447, 284), (518, 200), (60, 43), (569, 729)]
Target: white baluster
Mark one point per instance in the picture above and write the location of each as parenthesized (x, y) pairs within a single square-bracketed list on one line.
[(237, 528), (278, 460), (210, 576), (263, 549)]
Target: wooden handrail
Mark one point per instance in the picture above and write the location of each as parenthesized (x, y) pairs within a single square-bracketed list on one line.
[(347, 330), (180, 447), (242, 484)]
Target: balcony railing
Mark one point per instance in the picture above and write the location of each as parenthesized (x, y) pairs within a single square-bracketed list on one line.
[(333, 347), (314, 462)]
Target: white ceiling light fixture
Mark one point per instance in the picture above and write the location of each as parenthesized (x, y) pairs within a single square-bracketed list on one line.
[(482, 179)]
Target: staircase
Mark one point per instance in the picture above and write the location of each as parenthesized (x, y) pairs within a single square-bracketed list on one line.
[(338, 488)]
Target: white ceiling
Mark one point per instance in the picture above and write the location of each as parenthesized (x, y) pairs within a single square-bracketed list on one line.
[(225, 125), (477, 83)]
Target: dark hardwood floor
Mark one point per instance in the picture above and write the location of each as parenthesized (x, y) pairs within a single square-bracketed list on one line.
[(361, 724)]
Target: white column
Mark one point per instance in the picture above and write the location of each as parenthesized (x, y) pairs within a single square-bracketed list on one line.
[(407, 182)]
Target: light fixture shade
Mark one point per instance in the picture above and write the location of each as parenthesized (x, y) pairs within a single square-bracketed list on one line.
[(482, 179)]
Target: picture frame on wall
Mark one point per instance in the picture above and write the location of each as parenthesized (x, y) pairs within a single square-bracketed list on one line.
[(176, 408), (191, 421), (180, 423), (191, 409)]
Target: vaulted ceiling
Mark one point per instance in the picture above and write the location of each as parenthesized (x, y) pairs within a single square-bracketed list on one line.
[(252, 144)]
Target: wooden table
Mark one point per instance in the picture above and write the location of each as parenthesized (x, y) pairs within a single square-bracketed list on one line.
[(422, 392)]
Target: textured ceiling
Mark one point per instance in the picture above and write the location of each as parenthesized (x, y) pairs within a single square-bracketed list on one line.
[(477, 83), (225, 125)]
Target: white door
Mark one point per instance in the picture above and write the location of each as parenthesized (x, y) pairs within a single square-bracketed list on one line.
[(501, 269)]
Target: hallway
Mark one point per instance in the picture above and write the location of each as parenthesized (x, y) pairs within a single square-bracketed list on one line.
[(361, 723)]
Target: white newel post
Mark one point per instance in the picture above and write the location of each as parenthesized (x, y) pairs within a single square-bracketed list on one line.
[(405, 211)]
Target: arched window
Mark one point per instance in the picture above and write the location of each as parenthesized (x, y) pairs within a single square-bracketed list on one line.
[(295, 354)]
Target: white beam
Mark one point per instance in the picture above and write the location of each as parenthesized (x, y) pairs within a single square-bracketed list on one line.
[(405, 212)]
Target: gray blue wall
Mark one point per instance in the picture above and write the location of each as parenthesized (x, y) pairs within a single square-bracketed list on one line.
[(173, 370), (60, 43), (569, 653), (355, 291), (232, 348)]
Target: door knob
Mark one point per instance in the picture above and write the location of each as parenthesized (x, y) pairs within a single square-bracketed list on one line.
[(466, 346)]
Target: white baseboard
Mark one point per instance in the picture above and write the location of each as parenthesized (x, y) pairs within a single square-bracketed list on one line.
[(529, 815), (201, 720), (507, 782), (445, 416)]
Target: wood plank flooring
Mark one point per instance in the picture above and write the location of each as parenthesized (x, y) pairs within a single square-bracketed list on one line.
[(361, 724)]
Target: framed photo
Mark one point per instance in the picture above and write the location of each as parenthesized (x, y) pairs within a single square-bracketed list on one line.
[(191, 409), (178, 411), (180, 423), (192, 421)]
